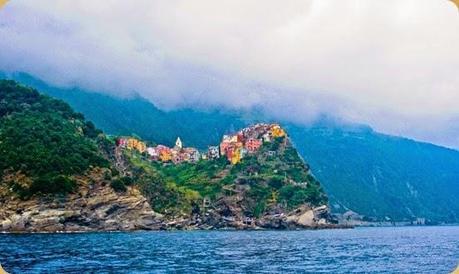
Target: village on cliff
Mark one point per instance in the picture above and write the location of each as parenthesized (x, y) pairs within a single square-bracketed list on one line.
[(234, 146)]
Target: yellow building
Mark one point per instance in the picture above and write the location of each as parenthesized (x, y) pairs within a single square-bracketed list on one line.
[(141, 147), (133, 143), (277, 131), (236, 156)]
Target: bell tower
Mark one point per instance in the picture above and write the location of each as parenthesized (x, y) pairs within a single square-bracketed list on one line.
[(178, 143)]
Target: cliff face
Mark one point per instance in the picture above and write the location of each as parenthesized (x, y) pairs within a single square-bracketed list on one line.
[(59, 173), (245, 197), (94, 207), (272, 188), (97, 207)]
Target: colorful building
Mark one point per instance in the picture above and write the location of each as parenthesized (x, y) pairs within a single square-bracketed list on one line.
[(153, 153), (141, 147), (240, 137), (224, 147), (230, 138), (133, 143), (121, 142), (177, 158), (234, 147), (236, 155), (213, 153), (277, 131), (252, 145), (165, 153), (233, 152), (194, 154), (267, 137)]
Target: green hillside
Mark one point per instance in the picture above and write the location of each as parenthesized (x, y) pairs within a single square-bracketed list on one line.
[(379, 175), (137, 116), (43, 142), (370, 173), (260, 184), (48, 150)]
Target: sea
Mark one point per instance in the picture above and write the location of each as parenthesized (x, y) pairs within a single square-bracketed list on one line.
[(361, 250)]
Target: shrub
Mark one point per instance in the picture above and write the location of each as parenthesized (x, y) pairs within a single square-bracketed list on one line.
[(118, 185), (52, 185), (276, 182), (115, 172), (107, 175), (127, 181)]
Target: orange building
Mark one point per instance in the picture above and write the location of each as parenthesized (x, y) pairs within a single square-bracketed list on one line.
[(224, 147), (133, 143), (165, 153), (277, 131)]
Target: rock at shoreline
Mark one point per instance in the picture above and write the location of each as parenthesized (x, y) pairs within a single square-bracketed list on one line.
[(93, 208)]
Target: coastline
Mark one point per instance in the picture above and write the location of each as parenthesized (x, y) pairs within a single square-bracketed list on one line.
[(328, 227)]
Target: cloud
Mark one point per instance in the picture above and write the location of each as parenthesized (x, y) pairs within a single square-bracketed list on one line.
[(392, 64)]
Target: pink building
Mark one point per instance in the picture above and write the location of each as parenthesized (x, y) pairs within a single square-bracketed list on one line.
[(253, 145), (121, 142)]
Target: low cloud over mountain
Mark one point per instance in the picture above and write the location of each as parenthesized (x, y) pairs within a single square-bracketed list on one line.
[(392, 64)]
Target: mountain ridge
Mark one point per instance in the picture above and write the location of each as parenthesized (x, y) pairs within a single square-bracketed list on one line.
[(60, 173), (326, 146)]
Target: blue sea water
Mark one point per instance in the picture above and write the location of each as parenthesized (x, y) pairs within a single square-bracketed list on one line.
[(361, 250)]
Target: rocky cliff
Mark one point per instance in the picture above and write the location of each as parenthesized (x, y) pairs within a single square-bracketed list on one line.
[(94, 207), (270, 189), (59, 173), (97, 207)]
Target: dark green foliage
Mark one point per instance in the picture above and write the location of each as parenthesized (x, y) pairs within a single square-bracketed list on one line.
[(371, 173), (47, 184), (379, 175), (276, 182), (118, 185), (274, 145), (108, 176), (291, 155), (259, 193), (263, 175), (127, 181), (44, 139), (115, 172), (139, 116), (53, 184)]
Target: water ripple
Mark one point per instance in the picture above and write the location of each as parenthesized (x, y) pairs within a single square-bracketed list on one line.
[(364, 250)]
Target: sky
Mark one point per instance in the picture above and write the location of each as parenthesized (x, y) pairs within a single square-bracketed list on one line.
[(391, 64)]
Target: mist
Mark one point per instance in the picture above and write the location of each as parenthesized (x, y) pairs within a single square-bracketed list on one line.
[(391, 64)]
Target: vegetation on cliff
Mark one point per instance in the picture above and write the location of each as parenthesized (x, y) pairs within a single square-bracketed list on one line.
[(47, 148), (361, 170), (43, 142), (273, 178)]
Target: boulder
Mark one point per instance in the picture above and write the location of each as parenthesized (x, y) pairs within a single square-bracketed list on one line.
[(306, 219)]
